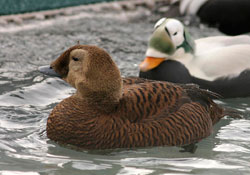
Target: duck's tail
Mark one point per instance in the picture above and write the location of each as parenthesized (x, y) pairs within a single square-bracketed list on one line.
[(233, 113), (218, 112), (205, 97)]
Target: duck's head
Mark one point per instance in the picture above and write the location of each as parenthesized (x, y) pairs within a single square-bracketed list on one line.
[(90, 70), (169, 37)]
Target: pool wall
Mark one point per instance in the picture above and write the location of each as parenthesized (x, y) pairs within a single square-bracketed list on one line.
[(8, 7)]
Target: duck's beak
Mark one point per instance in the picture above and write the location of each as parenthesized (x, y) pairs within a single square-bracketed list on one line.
[(48, 70), (150, 63)]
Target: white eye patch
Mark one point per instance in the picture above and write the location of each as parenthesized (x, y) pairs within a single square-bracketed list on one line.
[(176, 31), (159, 22)]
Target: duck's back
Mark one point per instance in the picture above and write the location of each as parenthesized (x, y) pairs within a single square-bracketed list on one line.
[(161, 113), (149, 114)]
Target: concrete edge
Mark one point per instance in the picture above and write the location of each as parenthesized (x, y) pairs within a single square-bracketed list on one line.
[(125, 5)]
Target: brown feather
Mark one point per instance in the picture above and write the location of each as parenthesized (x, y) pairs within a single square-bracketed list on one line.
[(147, 113)]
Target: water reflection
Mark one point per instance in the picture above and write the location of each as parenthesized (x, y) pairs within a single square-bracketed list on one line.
[(38, 94), (18, 173)]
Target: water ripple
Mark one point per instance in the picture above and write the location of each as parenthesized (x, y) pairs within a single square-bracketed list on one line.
[(39, 94), (134, 171), (180, 162), (237, 130), (231, 148), (17, 173), (89, 165)]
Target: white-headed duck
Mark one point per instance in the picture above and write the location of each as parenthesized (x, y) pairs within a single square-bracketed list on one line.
[(220, 64)]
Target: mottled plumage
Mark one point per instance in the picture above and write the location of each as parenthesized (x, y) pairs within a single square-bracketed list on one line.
[(141, 113)]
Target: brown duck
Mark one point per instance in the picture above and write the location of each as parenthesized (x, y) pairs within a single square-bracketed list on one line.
[(108, 111)]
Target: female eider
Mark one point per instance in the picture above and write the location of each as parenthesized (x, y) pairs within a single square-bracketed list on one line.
[(108, 111)]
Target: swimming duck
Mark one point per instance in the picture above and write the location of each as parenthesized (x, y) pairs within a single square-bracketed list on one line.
[(108, 111), (176, 72), (214, 63), (229, 16)]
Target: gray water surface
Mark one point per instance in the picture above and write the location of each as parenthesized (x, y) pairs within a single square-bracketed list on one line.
[(27, 97)]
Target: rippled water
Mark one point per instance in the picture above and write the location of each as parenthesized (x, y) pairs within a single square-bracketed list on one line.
[(27, 97)]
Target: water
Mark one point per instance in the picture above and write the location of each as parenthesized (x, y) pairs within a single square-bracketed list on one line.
[(27, 97)]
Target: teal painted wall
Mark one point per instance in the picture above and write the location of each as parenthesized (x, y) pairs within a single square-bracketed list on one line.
[(21, 6)]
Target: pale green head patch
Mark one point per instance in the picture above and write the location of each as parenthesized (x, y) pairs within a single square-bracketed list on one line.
[(169, 36), (160, 39), (190, 44)]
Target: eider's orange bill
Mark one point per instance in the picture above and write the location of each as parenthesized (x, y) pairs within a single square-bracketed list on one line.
[(150, 63)]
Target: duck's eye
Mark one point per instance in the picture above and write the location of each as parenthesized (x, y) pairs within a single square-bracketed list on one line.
[(75, 58), (175, 33)]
